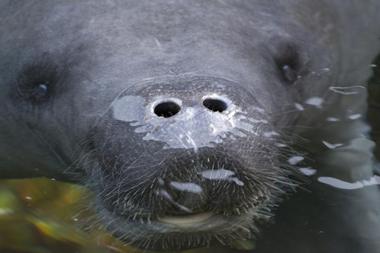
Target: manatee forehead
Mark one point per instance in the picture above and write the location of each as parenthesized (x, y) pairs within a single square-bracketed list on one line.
[(110, 46), (140, 39)]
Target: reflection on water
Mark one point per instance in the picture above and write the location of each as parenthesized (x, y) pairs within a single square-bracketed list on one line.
[(340, 184), (41, 215)]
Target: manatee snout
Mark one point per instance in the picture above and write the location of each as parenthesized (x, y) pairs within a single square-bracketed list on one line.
[(187, 155)]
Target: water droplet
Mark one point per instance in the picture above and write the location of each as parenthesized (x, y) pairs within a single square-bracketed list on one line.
[(308, 171), (187, 187), (299, 107), (355, 116), (331, 145), (294, 160), (315, 101), (332, 119)]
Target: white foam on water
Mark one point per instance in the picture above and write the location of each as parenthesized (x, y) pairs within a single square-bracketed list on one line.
[(332, 145), (315, 101), (270, 134), (258, 109), (343, 185), (332, 119), (236, 181), (258, 121), (347, 91), (299, 107), (167, 196), (221, 174), (308, 171), (212, 128), (354, 116), (294, 160), (160, 181), (217, 174), (186, 187)]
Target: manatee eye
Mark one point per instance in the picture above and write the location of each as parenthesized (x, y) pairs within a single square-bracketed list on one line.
[(36, 93), (288, 63), (289, 73), (37, 82)]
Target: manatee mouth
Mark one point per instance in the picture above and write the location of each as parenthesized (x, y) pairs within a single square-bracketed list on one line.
[(186, 221), (184, 232)]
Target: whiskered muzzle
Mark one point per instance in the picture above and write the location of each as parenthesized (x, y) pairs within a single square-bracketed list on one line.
[(186, 167)]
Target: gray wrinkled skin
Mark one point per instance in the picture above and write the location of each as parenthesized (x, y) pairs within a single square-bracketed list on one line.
[(80, 81)]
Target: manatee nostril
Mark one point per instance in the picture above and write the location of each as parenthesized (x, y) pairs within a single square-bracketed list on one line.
[(215, 104), (167, 109)]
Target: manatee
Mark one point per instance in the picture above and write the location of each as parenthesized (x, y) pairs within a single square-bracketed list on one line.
[(189, 120)]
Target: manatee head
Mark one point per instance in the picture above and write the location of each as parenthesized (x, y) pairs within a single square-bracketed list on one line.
[(178, 116)]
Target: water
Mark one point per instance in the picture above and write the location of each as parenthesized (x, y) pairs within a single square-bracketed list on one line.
[(43, 215)]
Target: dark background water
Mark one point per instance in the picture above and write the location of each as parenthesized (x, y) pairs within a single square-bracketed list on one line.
[(326, 219), (374, 105)]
